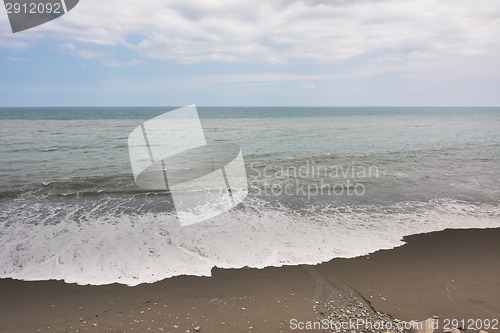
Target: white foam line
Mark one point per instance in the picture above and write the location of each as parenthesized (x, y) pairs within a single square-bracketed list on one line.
[(103, 249)]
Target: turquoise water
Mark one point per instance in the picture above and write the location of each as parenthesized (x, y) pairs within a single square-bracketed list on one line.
[(323, 183)]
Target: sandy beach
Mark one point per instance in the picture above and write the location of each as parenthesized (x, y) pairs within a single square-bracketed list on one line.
[(451, 274)]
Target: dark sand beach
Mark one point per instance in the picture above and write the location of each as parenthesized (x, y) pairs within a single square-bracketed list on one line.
[(453, 274)]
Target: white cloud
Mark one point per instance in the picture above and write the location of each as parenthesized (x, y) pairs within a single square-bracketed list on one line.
[(256, 79), (116, 63), (103, 58), (13, 44), (286, 31), (19, 59), (82, 53), (309, 85)]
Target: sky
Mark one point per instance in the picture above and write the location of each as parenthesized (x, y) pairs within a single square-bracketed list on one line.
[(256, 53)]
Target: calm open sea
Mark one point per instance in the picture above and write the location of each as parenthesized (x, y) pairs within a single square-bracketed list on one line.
[(323, 183)]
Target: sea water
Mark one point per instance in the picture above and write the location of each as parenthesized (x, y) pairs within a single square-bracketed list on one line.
[(323, 183)]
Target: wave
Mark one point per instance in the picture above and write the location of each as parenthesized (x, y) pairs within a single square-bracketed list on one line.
[(114, 185), (107, 241)]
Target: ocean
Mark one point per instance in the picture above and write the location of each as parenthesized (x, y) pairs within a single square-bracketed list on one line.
[(329, 182)]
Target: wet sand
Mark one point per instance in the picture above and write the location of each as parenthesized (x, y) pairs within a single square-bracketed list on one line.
[(454, 274)]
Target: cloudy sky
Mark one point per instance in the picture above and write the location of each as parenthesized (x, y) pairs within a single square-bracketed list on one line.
[(241, 52)]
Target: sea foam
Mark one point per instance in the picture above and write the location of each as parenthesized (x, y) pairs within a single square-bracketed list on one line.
[(88, 248)]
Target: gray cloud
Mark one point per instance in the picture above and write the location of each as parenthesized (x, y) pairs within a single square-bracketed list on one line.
[(382, 36), (286, 31)]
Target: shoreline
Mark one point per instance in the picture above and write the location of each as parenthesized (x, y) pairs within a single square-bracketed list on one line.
[(452, 274)]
